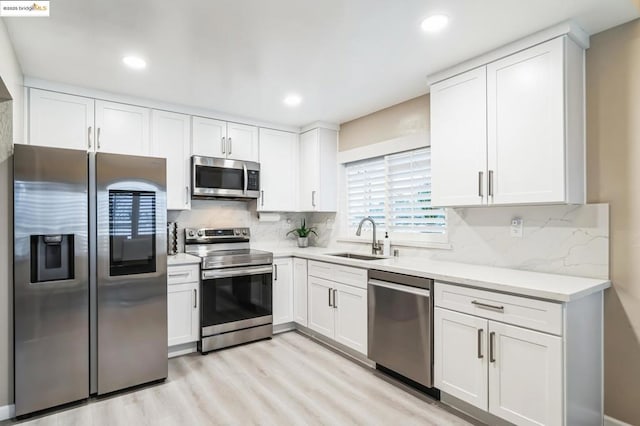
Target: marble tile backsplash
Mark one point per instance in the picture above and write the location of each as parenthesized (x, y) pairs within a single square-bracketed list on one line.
[(222, 214), (568, 240)]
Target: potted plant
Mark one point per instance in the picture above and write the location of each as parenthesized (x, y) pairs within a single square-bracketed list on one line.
[(303, 234)]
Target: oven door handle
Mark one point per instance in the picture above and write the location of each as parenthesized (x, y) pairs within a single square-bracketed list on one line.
[(236, 272)]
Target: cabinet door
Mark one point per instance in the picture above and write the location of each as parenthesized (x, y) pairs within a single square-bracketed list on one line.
[(209, 137), (278, 171), (351, 317), (242, 142), (60, 121), (459, 140), (309, 170), (526, 138), (326, 199), (122, 129), (183, 316), (321, 315), (460, 356), (300, 291), (282, 291), (171, 139), (525, 375)]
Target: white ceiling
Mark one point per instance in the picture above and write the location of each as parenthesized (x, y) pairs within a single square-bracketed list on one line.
[(346, 58)]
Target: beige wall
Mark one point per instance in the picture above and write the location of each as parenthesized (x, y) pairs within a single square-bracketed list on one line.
[(398, 120), (613, 169)]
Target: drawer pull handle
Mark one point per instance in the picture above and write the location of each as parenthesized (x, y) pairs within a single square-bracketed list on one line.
[(487, 306), (480, 356), (183, 274)]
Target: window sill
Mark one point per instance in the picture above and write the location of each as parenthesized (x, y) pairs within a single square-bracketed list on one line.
[(400, 243)]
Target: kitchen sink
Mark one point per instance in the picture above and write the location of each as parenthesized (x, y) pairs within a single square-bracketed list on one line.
[(356, 256)]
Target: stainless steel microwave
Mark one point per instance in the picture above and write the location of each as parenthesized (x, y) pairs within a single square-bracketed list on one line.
[(222, 178)]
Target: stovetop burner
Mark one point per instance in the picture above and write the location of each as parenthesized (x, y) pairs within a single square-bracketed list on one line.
[(224, 248)]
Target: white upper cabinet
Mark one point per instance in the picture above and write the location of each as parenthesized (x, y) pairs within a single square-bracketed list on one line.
[(278, 171), (209, 137), (526, 125), (459, 140), (59, 120), (219, 139), (515, 138), (318, 170), (122, 129), (242, 142), (171, 139)]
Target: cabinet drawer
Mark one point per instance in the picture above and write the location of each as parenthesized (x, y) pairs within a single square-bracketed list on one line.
[(321, 269), (183, 274), (339, 273), (530, 313), (352, 276)]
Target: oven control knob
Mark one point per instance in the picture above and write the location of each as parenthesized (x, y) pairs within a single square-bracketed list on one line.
[(191, 233), (236, 231), (244, 233), (200, 233)]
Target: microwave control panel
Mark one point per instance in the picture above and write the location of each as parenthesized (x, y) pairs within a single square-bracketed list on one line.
[(253, 180)]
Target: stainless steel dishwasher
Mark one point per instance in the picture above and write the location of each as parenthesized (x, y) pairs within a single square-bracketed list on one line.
[(401, 325)]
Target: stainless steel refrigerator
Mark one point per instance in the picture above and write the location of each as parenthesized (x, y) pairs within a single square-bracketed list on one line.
[(90, 284)]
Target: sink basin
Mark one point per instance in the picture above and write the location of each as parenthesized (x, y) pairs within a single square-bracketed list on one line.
[(356, 256)]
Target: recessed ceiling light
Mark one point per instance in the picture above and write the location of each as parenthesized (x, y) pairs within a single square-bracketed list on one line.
[(434, 23), (134, 62), (292, 100)]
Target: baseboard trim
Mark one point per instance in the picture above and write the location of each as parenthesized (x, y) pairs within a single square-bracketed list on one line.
[(7, 412), (610, 421)]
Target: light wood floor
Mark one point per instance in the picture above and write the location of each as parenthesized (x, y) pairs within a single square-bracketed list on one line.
[(290, 380)]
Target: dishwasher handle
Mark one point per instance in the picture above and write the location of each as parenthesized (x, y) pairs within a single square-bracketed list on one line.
[(400, 287)]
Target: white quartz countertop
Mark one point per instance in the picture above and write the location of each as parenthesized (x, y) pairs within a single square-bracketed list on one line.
[(559, 288), (182, 259)]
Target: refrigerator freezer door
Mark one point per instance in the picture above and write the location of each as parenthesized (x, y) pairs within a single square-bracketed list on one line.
[(131, 267), (51, 287)]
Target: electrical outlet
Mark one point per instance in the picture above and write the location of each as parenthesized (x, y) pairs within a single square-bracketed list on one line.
[(516, 227)]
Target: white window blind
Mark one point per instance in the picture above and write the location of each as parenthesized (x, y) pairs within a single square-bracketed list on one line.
[(395, 190)]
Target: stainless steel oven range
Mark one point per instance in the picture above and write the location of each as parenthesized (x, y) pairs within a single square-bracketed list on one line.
[(236, 296)]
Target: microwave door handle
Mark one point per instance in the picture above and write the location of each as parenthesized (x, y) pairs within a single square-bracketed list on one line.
[(246, 178)]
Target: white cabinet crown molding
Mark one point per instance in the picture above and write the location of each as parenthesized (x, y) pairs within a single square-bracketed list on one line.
[(568, 28), (37, 83)]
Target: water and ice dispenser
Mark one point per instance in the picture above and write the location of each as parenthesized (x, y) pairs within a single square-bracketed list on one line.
[(52, 258)]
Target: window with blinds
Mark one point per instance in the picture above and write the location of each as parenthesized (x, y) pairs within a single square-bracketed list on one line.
[(395, 190)]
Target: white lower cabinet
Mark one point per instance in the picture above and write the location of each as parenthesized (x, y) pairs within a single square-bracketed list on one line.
[(321, 312), (512, 372), (525, 375), (282, 291), (183, 304), (460, 361), (300, 291), (350, 304), (336, 309)]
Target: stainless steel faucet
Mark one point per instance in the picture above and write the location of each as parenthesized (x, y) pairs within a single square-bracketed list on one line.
[(375, 247)]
